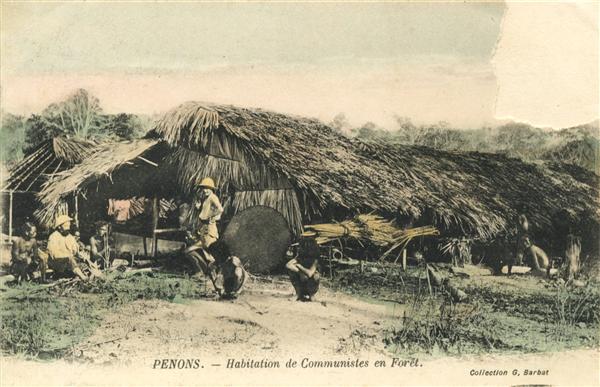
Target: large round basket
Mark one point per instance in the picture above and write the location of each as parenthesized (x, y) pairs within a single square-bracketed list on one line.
[(259, 236)]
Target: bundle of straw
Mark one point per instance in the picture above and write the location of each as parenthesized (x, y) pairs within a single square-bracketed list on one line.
[(370, 228), (366, 227), (403, 237)]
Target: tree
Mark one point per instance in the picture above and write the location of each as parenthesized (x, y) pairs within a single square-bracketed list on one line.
[(38, 130), (370, 131), (78, 116), (122, 125), (12, 137), (341, 125)]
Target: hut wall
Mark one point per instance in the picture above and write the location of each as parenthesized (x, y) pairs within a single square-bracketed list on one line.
[(242, 181)]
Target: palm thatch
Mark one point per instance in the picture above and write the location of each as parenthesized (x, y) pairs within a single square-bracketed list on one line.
[(46, 160), (475, 194), (102, 163), (307, 171), (481, 193), (314, 158)]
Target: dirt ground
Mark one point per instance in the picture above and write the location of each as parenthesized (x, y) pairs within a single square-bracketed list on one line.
[(265, 321), (136, 317)]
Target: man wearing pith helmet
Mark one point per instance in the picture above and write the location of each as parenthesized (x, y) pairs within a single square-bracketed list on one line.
[(63, 248), (210, 212)]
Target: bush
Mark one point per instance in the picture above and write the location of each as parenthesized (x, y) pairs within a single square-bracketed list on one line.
[(577, 305)]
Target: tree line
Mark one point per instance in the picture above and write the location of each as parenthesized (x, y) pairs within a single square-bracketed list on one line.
[(78, 116), (578, 145)]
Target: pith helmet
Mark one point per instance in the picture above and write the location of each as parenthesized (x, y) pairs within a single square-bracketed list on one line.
[(61, 219), (207, 182)]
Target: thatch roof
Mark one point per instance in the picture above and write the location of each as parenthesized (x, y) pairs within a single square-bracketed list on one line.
[(307, 171), (46, 160), (100, 165), (482, 192), (473, 193)]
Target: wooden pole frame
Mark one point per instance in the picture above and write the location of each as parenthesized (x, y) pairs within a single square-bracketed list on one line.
[(76, 214), (154, 226), (10, 216)]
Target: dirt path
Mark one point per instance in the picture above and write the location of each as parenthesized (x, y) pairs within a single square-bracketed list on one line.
[(265, 321)]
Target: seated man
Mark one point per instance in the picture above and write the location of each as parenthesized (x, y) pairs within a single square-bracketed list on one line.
[(62, 250), (539, 259), (303, 269), (24, 253)]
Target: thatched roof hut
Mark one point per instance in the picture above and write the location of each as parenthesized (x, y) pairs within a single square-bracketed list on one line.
[(102, 176), (482, 192), (471, 193), (309, 172), (45, 160), (26, 178)]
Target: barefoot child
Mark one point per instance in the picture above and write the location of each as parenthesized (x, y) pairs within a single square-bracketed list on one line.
[(303, 269), (24, 253)]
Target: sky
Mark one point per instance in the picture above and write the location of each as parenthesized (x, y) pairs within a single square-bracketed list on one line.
[(370, 61)]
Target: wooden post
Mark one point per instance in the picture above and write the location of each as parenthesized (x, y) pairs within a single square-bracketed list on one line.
[(404, 259), (154, 226), (145, 246), (107, 249), (10, 216), (76, 215)]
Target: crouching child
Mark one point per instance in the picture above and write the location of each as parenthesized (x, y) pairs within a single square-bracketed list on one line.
[(303, 268), (232, 270)]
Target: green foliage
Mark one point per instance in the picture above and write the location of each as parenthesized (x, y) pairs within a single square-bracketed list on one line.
[(448, 328), (12, 137), (577, 305), (24, 330), (124, 126), (578, 145), (78, 116)]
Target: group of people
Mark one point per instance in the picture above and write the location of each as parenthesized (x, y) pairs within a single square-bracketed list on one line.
[(207, 255), (539, 261), (64, 252)]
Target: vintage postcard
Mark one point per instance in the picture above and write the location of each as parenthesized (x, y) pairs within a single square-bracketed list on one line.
[(299, 193)]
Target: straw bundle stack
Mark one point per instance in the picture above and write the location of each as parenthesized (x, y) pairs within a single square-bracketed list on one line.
[(371, 228), (402, 238)]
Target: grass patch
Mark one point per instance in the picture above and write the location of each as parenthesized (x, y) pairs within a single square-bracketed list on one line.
[(559, 304), (497, 318), (47, 323)]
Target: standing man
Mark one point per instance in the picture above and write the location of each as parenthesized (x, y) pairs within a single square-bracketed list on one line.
[(210, 212), (99, 246), (24, 253), (522, 239), (63, 249)]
